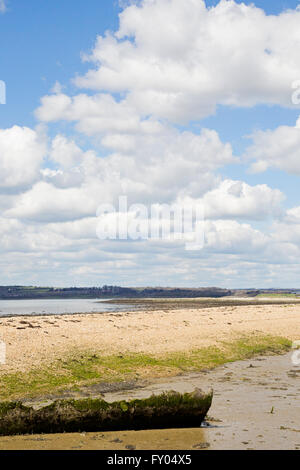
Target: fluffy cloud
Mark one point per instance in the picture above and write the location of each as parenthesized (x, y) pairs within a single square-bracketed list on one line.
[(293, 215), (234, 254), (236, 199), (172, 160), (65, 152), (230, 237), (277, 148), (94, 114), (178, 60), (156, 169), (21, 154), (46, 203), (287, 228)]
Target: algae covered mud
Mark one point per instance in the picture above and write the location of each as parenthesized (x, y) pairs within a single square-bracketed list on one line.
[(255, 406), (169, 409)]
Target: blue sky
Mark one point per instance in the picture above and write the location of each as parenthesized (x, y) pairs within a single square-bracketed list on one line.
[(43, 43)]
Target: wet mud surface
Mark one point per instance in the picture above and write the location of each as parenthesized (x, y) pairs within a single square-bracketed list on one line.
[(197, 303), (256, 405)]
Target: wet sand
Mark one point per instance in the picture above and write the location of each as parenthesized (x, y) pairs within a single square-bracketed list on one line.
[(171, 439), (35, 341), (255, 406)]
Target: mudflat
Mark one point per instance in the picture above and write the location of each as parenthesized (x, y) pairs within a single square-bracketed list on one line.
[(255, 406)]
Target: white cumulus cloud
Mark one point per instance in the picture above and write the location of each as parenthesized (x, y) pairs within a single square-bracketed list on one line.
[(21, 154), (178, 59), (278, 148)]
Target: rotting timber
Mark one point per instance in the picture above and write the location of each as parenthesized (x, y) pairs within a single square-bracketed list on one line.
[(168, 410)]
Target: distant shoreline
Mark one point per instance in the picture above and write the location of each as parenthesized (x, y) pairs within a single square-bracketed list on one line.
[(117, 292)]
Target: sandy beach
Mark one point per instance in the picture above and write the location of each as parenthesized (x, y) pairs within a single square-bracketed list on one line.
[(37, 340), (254, 405)]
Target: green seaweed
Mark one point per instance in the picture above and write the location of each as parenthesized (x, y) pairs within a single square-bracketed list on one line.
[(170, 409), (7, 407), (89, 367)]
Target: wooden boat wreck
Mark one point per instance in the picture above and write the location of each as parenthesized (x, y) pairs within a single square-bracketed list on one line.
[(167, 410)]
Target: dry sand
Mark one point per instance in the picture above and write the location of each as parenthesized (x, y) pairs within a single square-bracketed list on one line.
[(32, 341)]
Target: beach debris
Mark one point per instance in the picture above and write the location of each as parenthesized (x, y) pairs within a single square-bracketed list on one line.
[(201, 445)]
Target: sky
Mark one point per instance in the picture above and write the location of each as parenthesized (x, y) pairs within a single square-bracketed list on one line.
[(164, 102)]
